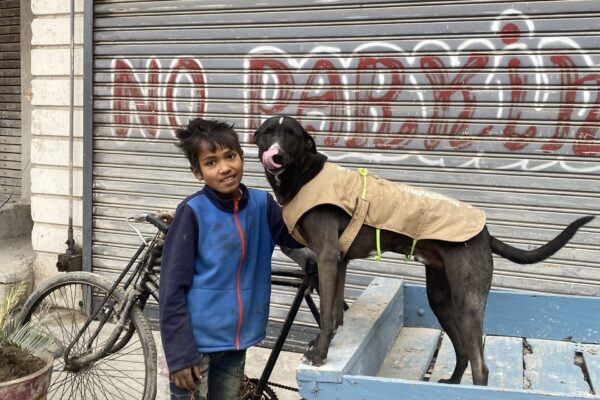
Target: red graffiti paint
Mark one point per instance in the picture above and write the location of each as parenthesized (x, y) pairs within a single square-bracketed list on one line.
[(127, 86), (323, 99), (517, 96), (194, 70), (510, 33), (403, 136), (370, 69), (586, 140), (358, 102), (443, 90), (272, 106), (143, 100)]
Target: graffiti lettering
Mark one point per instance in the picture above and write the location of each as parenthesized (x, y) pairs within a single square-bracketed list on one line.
[(127, 86), (434, 97), (144, 99)]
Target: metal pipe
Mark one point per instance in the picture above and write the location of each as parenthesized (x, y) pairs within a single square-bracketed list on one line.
[(88, 127), (70, 240)]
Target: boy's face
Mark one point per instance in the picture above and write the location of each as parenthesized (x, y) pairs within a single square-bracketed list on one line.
[(221, 170)]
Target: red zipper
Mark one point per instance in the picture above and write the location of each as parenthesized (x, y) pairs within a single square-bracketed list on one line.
[(239, 274)]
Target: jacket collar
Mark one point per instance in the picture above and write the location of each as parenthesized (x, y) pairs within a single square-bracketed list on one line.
[(226, 204)]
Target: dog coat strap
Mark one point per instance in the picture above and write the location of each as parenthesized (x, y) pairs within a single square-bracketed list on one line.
[(364, 172), (412, 250), (378, 244), (349, 234), (358, 217)]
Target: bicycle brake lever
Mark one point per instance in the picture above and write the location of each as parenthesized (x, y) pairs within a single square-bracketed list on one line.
[(137, 218), (141, 217)]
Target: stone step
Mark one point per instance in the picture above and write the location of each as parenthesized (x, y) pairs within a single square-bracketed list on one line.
[(15, 220), (16, 263)]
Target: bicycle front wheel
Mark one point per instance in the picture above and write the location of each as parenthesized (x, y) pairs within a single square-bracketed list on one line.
[(65, 302)]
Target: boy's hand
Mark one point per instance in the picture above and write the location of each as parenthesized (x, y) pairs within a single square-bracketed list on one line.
[(166, 216), (184, 378)]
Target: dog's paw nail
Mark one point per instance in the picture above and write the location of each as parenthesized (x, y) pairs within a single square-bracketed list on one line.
[(307, 361)]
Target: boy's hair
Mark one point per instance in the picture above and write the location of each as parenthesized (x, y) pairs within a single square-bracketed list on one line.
[(213, 133)]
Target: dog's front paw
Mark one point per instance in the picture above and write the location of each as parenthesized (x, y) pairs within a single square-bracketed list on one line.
[(313, 343), (449, 381), (313, 357)]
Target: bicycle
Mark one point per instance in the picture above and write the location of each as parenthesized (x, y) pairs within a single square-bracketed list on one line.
[(103, 339), (104, 342)]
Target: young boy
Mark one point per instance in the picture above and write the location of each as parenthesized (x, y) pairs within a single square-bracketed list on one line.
[(215, 281)]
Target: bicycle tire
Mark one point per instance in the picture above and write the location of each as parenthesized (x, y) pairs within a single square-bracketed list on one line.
[(127, 373)]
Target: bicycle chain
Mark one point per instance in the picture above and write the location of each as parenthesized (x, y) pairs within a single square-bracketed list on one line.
[(279, 385), (249, 386)]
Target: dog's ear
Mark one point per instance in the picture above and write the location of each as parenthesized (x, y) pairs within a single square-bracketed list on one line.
[(255, 135), (309, 142)]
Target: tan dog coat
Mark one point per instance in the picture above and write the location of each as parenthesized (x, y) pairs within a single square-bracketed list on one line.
[(407, 210)]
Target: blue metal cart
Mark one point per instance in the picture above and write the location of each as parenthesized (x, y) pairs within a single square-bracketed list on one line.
[(537, 346)]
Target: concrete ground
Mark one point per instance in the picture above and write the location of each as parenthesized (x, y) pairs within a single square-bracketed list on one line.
[(284, 372)]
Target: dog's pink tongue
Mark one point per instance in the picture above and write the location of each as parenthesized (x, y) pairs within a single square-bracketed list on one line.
[(267, 158)]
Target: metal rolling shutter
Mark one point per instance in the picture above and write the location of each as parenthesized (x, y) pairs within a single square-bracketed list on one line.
[(493, 103), (10, 101)]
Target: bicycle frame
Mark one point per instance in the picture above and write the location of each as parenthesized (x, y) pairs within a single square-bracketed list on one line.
[(142, 283)]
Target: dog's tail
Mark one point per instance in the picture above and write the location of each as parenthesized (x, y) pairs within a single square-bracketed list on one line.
[(520, 256)]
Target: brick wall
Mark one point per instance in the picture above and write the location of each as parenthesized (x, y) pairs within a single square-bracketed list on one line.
[(50, 68)]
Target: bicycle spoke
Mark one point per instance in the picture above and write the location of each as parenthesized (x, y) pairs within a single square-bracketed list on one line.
[(123, 382), (118, 375)]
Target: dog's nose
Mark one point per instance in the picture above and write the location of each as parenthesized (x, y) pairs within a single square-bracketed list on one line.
[(271, 159), (277, 159)]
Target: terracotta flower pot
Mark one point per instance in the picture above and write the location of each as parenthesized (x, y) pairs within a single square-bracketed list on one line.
[(30, 387)]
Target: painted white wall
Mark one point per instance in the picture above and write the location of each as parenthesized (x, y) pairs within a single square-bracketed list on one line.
[(50, 91)]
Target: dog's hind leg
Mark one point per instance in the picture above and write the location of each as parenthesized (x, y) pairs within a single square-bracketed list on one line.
[(469, 268), (470, 329), (439, 295)]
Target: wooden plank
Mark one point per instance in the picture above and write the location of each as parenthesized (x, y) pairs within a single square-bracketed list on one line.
[(10, 123), (550, 367), (10, 165), (504, 358), (13, 140), (14, 132), (9, 173), (8, 181), (10, 157), (445, 362), (364, 387), (10, 148), (540, 316), (591, 356), (361, 344), (411, 354), (10, 190)]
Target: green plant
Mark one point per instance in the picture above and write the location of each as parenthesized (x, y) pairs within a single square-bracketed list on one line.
[(32, 336)]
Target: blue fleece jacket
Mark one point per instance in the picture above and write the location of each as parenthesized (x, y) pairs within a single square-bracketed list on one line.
[(215, 281)]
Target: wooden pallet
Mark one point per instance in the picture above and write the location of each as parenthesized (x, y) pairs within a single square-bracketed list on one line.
[(390, 347)]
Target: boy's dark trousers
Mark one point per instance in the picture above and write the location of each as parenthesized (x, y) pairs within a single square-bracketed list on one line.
[(222, 374)]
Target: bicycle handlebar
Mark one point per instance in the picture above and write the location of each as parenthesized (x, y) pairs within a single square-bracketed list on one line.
[(157, 222)]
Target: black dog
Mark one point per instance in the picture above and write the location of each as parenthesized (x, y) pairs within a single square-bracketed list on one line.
[(458, 275)]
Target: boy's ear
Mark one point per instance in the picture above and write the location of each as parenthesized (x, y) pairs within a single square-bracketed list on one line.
[(242, 154), (197, 173)]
